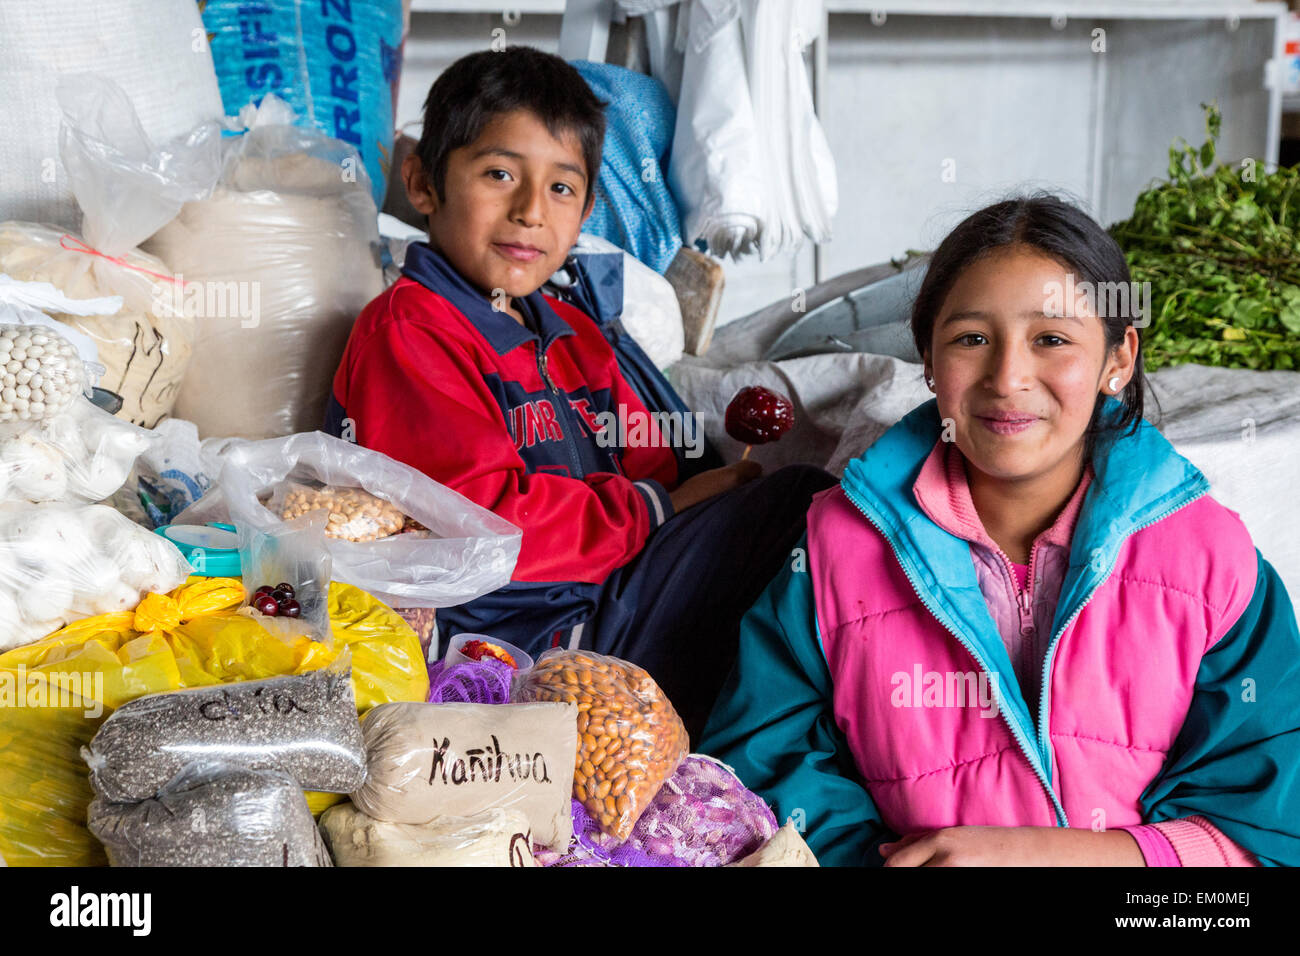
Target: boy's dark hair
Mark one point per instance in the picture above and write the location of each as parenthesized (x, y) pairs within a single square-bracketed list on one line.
[(479, 87), (1064, 232)]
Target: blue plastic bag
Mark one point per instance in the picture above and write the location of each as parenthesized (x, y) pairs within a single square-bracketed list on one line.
[(634, 207)]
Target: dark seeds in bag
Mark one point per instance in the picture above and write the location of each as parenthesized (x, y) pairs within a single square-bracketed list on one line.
[(213, 814), (305, 725)]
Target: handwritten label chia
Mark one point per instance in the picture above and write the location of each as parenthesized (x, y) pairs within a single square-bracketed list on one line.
[(485, 764), (276, 702)]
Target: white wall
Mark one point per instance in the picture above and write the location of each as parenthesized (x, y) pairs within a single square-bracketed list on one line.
[(1013, 103), (436, 40)]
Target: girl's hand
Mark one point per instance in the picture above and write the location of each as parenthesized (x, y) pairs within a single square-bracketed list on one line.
[(1014, 846)]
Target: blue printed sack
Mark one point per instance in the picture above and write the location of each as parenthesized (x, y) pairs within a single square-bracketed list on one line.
[(336, 62)]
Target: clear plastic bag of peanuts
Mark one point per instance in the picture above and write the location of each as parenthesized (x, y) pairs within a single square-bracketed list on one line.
[(463, 552), (630, 739), (354, 513)]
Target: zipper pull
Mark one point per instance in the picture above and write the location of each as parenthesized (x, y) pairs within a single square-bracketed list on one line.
[(546, 375)]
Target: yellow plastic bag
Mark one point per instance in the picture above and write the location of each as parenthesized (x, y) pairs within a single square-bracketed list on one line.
[(54, 694)]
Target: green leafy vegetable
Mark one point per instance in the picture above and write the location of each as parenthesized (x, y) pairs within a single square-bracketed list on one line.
[(1220, 249)]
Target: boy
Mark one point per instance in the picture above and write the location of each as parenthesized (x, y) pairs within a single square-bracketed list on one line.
[(466, 371)]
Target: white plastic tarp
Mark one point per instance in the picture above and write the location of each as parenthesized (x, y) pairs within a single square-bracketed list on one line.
[(1240, 427)]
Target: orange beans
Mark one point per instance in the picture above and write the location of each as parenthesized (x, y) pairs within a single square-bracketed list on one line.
[(630, 739)]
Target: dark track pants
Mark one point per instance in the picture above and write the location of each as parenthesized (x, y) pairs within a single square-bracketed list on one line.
[(676, 608)]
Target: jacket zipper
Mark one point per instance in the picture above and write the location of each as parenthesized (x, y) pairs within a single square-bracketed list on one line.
[(1021, 741), (1045, 690), (570, 442), (1024, 600), (1028, 632)]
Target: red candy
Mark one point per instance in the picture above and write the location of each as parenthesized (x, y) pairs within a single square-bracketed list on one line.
[(758, 415), (477, 650)]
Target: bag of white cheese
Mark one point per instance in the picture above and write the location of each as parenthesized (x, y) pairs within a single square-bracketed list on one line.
[(60, 563)]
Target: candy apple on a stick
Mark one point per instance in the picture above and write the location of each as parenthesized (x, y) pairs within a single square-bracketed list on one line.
[(758, 415)]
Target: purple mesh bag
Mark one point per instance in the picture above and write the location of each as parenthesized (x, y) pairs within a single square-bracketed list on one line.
[(475, 682), (703, 816)]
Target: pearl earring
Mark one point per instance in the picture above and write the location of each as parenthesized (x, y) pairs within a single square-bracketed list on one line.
[(1113, 384)]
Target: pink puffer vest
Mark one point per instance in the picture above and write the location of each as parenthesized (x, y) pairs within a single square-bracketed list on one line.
[(907, 690)]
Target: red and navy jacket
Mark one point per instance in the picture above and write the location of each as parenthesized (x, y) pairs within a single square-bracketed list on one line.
[(506, 414)]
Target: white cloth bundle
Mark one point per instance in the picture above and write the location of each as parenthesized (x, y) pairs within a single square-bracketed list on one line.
[(651, 312), (750, 162)]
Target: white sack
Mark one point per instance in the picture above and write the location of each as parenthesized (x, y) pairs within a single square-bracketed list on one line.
[(156, 50)]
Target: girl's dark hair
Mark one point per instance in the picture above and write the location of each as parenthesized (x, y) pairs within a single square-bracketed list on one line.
[(1064, 232), (475, 89)]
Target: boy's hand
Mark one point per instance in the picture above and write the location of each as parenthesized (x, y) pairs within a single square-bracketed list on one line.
[(1014, 846), (715, 482)]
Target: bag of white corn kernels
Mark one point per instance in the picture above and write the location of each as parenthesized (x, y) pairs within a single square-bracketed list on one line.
[(44, 364), (54, 444), (462, 552), (496, 837)]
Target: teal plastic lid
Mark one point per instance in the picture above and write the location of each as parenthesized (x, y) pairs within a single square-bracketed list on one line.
[(212, 549)]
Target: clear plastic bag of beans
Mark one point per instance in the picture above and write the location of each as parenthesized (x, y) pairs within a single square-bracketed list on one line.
[(630, 739)]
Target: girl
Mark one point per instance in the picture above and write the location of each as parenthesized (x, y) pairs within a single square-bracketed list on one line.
[(1020, 631)]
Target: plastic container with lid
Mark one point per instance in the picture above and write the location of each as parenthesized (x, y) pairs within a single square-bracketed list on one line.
[(211, 549), (523, 662)]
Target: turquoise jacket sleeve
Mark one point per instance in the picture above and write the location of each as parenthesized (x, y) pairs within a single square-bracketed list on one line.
[(773, 724), (1236, 760)]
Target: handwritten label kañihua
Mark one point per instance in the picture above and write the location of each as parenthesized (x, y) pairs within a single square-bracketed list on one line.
[(484, 764)]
